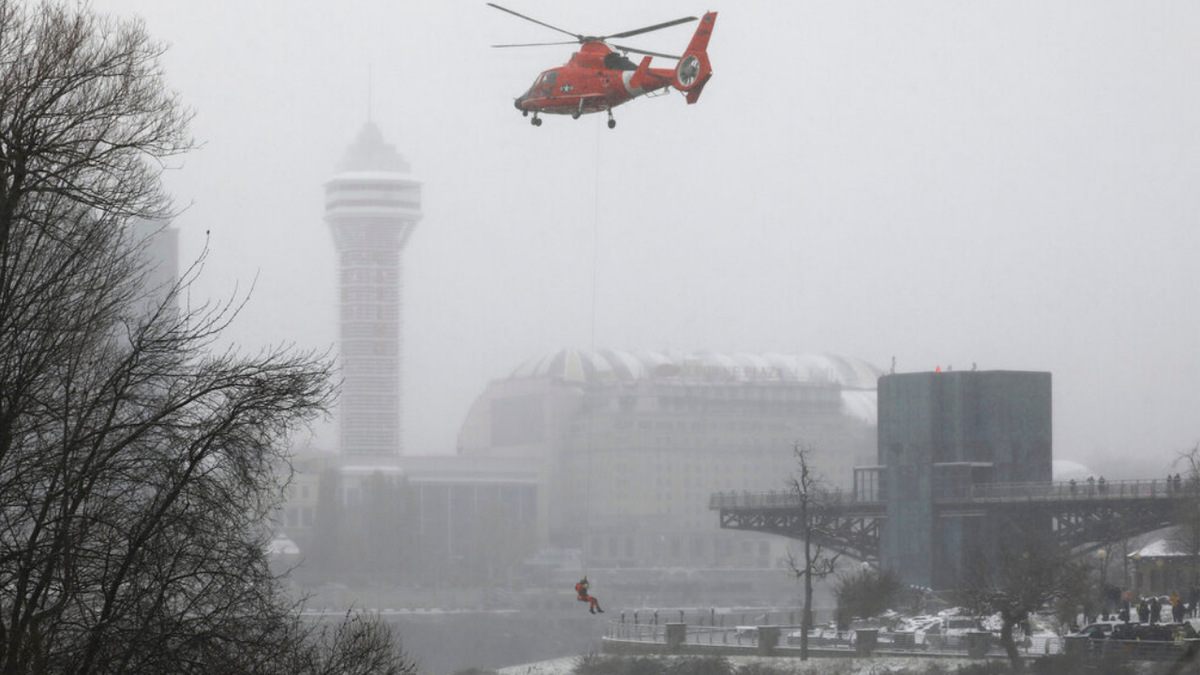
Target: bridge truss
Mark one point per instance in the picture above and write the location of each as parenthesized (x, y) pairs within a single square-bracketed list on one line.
[(1083, 517)]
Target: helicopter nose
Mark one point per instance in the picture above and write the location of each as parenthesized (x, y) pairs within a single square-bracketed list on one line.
[(518, 101)]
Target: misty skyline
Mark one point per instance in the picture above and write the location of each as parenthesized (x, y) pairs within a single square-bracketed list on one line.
[(1006, 184)]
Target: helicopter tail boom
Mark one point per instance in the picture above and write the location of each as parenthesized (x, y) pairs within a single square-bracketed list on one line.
[(694, 69)]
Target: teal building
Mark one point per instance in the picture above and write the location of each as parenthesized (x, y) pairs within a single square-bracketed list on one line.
[(939, 434)]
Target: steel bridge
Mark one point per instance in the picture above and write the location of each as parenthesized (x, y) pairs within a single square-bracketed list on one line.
[(1084, 516)]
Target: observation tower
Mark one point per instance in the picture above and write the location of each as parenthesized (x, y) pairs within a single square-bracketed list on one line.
[(372, 205)]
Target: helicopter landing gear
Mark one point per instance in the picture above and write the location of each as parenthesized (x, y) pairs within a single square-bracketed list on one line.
[(536, 121), (612, 124), (524, 113)]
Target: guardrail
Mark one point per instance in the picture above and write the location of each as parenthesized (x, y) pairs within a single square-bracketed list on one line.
[(1144, 650), (846, 641), (1068, 490), (773, 499), (986, 492)]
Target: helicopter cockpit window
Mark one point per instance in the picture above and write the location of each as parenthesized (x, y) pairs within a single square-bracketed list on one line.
[(548, 78), (615, 61)]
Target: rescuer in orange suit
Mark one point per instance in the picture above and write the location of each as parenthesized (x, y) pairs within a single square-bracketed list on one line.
[(581, 591)]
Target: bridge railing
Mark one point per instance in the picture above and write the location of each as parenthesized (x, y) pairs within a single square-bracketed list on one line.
[(1008, 492), (819, 638), (782, 499), (1068, 490)]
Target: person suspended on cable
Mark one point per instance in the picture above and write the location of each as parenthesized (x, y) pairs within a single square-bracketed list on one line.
[(581, 592)]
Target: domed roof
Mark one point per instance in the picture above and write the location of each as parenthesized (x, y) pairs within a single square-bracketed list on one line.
[(570, 365)]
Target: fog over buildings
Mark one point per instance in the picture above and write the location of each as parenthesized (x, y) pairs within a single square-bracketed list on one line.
[(1011, 185)]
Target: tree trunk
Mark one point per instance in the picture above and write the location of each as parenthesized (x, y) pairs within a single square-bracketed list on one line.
[(1010, 647), (806, 620)]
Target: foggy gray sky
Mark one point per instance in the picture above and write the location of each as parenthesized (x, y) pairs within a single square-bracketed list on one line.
[(1015, 184)]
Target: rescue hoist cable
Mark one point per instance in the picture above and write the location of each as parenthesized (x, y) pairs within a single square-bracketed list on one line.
[(587, 508)]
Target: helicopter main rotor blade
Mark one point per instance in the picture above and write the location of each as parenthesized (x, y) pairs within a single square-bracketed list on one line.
[(577, 36), (642, 51), (647, 29), (540, 44)]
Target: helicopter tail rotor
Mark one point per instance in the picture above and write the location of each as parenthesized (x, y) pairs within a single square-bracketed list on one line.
[(694, 69)]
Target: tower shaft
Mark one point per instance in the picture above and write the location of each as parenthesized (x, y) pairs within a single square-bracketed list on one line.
[(372, 207)]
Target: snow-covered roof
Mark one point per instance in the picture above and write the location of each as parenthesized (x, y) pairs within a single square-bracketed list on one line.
[(570, 365), (1065, 469), (282, 545), (1159, 548), (861, 404), (373, 177)]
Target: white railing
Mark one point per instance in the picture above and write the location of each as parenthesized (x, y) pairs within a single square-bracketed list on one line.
[(789, 639)]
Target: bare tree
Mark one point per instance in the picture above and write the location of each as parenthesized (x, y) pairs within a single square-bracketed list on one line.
[(358, 645), (1030, 572), (1185, 537), (138, 462), (811, 495), (867, 592)]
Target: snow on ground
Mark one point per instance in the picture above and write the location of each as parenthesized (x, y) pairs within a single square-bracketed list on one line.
[(562, 666), (821, 666)]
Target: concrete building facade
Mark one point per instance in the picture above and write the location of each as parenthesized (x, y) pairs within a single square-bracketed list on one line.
[(629, 446), (417, 520)]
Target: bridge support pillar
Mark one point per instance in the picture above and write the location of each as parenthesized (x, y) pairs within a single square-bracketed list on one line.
[(676, 632), (865, 640), (978, 643), (768, 640), (1075, 645)]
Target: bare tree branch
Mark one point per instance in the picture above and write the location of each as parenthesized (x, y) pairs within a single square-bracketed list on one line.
[(810, 492), (139, 464)]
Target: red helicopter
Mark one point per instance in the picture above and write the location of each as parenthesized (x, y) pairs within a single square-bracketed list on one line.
[(597, 78)]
